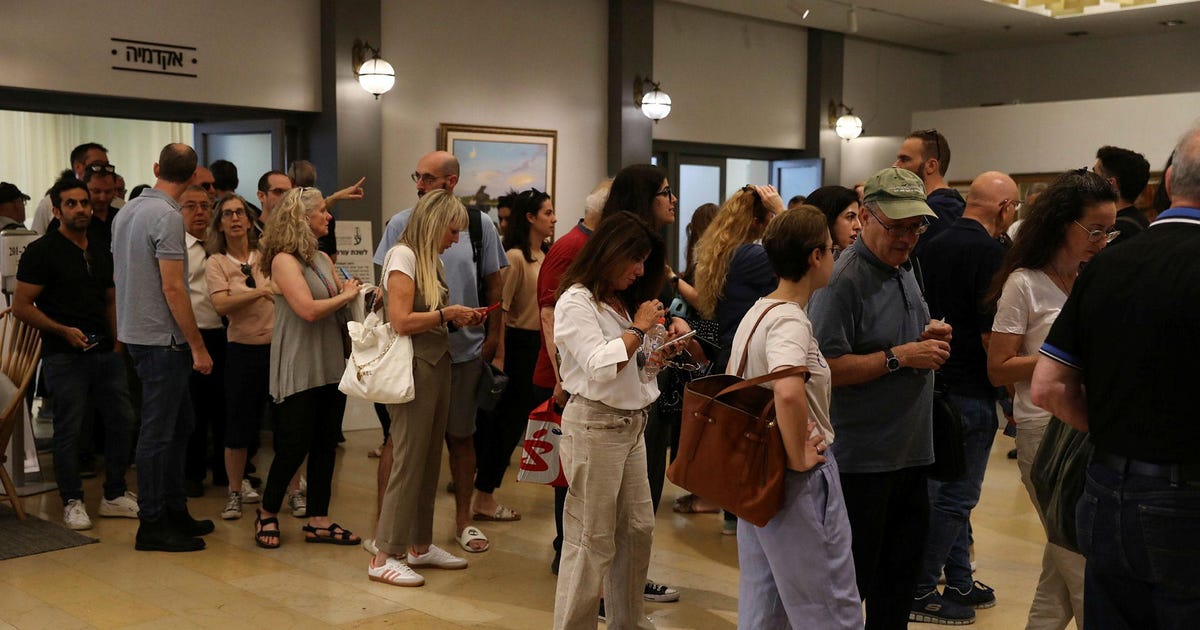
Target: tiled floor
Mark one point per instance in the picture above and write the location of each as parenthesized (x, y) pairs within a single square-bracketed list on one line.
[(234, 584)]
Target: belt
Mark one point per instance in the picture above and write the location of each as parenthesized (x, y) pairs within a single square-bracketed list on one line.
[(1175, 472)]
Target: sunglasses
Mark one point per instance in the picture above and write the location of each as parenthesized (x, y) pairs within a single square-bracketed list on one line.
[(87, 261), (249, 277), (932, 135), (666, 192), (101, 168)]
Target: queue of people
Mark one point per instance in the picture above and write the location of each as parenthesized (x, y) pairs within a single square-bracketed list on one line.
[(836, 285)]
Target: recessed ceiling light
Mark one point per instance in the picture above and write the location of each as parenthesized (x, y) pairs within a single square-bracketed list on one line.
[(1170, 23), (1077, 33)]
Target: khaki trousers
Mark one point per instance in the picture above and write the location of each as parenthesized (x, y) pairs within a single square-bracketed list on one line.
[(418, 429), (1059, 594), (608, 520)]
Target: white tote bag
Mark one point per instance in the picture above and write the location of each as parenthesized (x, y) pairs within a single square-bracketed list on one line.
[(380, 365)]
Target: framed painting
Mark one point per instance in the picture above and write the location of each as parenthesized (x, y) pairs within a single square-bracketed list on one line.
[(495, 160)]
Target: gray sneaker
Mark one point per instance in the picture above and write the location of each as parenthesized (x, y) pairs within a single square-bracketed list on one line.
[(298, 503), (233, 507)]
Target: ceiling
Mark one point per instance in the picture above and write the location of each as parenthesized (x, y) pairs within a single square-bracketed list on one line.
[(954, 26)]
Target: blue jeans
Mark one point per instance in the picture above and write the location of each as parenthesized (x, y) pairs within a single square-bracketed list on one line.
[(167, 421), (1141, 538), (950, 503), (82, 383)]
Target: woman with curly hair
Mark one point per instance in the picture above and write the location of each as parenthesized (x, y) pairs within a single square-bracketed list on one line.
[(732, 269), (307, 360), (1070, 222)]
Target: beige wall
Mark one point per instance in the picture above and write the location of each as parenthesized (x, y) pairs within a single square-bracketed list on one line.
[(533, 64), (263, 53), (732, 79)]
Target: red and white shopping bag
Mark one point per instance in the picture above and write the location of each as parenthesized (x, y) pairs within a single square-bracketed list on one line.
[(539, 457)]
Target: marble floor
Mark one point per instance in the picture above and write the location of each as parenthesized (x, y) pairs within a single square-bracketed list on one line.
[(234, 584)]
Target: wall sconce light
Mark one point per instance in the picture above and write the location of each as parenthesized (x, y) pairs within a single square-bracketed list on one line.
[(655, 104), (846, 125), (374, 74)]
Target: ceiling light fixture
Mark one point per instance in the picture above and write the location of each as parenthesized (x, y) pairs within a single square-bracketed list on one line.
[(655, 103), (847, 126), (374, 74)]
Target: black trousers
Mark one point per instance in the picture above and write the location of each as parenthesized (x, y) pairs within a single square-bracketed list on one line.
[(205, 451), (307, 425), (889, 518), (499, 432)]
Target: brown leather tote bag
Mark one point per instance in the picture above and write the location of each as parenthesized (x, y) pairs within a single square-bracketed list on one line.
[(730, 449)]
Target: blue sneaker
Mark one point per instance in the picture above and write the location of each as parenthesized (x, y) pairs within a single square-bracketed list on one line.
[(977, 595), (933, 607)]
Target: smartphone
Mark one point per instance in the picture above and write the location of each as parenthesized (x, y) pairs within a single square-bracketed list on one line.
[(489, 309), (680, 339), (345, 274)]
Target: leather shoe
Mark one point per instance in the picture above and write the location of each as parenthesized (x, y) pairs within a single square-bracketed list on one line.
[(158, 535), (183, 523)]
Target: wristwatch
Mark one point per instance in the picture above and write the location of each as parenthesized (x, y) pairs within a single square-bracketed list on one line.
[(893, 364)]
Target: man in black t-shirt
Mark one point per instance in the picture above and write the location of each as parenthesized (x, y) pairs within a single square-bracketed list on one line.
[(958, 266), (1128, 172), (65, 289), (1119, 363)]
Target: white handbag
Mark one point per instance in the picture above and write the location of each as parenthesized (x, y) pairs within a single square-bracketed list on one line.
[(381, 362)]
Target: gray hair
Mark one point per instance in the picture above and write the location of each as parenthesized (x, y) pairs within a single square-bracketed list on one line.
[(1185, 169), (597, 198)]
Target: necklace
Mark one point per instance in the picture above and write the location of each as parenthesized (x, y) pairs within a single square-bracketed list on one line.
[(1061, 281)]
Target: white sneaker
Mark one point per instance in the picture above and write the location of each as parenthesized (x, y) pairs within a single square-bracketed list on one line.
[(437, 558), (124, 506), (75, 515), (368, 545), (298, 504), (233, 507), (249, 494), (395, 573)]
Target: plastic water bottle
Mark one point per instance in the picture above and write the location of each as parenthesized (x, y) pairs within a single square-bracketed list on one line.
[(655, 337)]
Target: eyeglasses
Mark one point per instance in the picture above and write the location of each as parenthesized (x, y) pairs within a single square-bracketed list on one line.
[(87, 261), (425, 178), (249, 276), (71, 204), (206, 185), (1011, 203), (900, 231), (101, 168), (229, 214), (1094, 236), (666, 192), (197, 205)]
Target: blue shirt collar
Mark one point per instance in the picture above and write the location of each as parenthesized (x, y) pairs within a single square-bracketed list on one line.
[(1179, 213)]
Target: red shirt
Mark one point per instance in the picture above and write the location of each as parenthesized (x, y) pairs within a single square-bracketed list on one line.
[(560, 256)]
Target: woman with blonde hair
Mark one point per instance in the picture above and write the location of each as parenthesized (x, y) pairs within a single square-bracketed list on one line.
[(241, 294), (416, 301), (307, 360), (732, 269)]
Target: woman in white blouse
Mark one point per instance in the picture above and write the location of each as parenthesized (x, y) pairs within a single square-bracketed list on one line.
[(1068, 224), (607, 301)]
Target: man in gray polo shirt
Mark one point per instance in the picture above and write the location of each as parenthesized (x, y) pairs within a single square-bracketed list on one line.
[(156, 323), (874, 327)]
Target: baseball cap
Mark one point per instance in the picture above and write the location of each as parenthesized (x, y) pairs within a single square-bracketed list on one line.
[(9, 192), (899, 193)]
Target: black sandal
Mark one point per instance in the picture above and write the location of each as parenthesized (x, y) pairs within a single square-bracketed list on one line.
[(267, 539), (334, 535)]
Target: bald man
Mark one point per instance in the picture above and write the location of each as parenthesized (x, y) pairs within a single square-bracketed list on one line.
[(958, 267)]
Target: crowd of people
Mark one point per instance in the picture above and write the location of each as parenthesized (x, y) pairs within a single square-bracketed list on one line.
[(181, 322)]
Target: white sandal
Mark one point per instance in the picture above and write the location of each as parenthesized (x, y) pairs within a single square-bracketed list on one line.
[(470, 534)]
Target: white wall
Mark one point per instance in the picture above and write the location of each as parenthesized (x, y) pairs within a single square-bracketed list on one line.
[(535, 64), (885, 84), (1164, 63), (264, 53), (1053, 137), (732, 79), (865, 155)]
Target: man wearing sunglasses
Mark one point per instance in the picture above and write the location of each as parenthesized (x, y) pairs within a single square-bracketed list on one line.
[(882, 347), (81, 156), (65, 289), (927, 153)]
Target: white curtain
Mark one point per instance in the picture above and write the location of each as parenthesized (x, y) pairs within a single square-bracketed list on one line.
[(35, 148)]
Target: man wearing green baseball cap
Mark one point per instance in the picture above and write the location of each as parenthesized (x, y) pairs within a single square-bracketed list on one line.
[(874, 328)]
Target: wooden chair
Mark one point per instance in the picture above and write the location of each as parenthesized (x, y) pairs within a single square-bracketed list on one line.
[(20, 347)]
